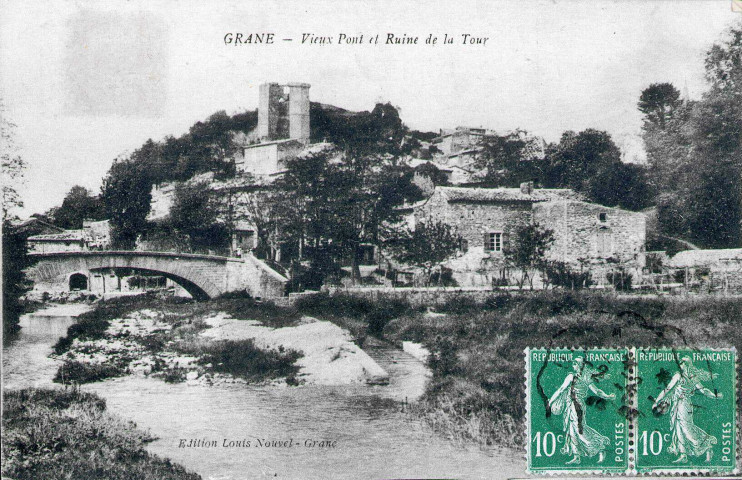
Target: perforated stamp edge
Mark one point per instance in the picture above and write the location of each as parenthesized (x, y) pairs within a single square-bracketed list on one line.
[(572, 472), (679, 472)]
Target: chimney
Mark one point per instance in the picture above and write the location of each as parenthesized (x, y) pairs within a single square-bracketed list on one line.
[(526, 187)]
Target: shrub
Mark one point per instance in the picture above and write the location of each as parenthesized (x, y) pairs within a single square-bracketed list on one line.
[(678, 276), (92, 325), (561, 274), (78, 372), (443, 278), (620, 279), (459, 304), (242, 358), (337, 305)]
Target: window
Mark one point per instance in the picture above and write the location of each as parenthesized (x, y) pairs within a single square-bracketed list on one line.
[(602, 217), (493, 242)]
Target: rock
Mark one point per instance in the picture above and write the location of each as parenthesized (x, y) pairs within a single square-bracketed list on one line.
[(191, 375), (141, 369)]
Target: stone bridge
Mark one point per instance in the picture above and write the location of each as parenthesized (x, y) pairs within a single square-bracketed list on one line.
[(203, 276)]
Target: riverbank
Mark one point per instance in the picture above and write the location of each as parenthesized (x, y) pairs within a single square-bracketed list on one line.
[(203, 343), (477, 348), (69, 434)]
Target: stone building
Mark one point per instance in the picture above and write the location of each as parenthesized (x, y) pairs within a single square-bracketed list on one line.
[(95, 235), (586, 235), (283, 129), (266, 158), (283, 112), (459, 149), (594, 237), (66, 241)]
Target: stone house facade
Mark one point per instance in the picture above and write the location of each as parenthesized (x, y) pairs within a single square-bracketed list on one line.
[(586, 235), (594, 237), (95, 235)]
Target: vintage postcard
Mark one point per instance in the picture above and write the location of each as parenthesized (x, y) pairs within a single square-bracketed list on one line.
[(313, 239)]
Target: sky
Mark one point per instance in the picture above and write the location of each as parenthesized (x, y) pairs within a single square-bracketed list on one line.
[(86, 82)]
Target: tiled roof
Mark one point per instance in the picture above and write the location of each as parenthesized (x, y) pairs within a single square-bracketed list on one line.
[(66, 236), (464, 194), (698, 258)]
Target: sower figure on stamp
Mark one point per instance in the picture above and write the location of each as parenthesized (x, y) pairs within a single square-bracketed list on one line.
[(687, 437), (569, 400)]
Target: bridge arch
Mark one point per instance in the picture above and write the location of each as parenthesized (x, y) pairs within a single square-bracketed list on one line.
[(193, 289), (203, 276), (200, 275), (78, 281)]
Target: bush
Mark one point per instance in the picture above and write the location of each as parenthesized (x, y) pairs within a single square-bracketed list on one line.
[(242, 358), (92, 325), (443, 278), (620, 279), (560, 274), (87, 328), (459, 304), (336, 305), (342, 308), (477, 353), (78, 372)]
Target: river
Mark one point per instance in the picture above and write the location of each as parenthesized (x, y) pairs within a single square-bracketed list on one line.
[(372, 436)]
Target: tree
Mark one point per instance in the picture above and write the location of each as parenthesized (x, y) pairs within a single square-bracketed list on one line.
[(12, 165), (126, 198), (15, 258), (78, 205), (427, 246), (528, 250), (658, 102), (194, 215), (332, 202), (621, 184), (580, 157), (380, 131), (505, 162), (696, 159), (432, 172)]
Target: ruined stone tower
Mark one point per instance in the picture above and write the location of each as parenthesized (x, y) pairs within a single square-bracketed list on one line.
[(283, 112)]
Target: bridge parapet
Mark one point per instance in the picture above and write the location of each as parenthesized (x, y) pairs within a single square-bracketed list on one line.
[(204, 276)]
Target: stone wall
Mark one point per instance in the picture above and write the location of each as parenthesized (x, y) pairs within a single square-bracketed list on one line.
[(593, 236), (417, 297), (474, 266)]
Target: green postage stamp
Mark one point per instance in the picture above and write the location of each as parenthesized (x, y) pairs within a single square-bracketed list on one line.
[(687, 419), (576, 406), (631, 410)]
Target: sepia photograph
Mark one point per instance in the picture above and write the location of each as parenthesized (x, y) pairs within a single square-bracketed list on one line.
[(370, 239)]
